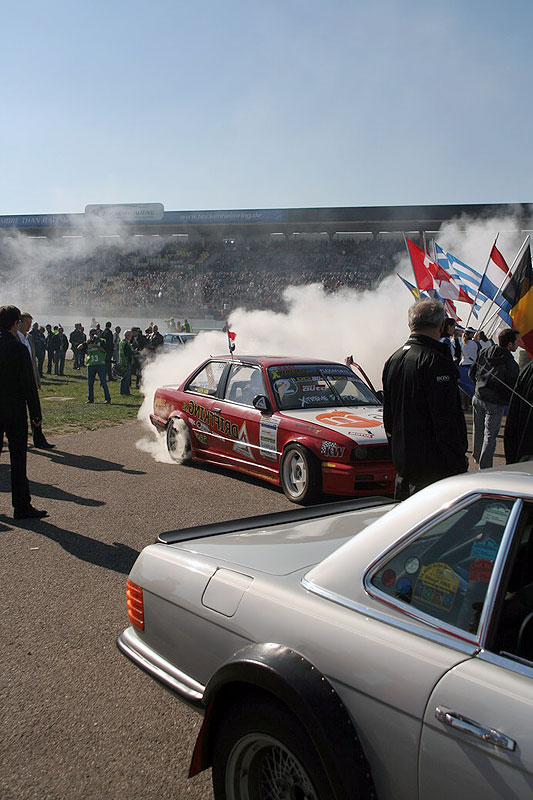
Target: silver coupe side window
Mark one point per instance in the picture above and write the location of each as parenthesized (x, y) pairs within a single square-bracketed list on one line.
[(445, 572)]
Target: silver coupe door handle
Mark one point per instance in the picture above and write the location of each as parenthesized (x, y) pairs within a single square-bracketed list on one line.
[(473, 728), (217, 410)]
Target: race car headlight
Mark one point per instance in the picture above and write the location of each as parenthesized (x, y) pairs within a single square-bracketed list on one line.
[(359, 453)]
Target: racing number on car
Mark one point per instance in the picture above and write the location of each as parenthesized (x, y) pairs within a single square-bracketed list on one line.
[(347, 419)]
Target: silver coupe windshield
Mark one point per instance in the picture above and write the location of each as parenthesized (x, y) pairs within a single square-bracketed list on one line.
[(318, 386)]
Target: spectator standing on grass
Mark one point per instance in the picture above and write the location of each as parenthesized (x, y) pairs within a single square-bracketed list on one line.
[(59, 350), (107, 336), (94, 347), (48, 340), (422, 411), (494, 374), (18, 392), (39, 346), (125, 359), (116, 343), (23, 333), (518, 434), (156, 339), (76, 338)]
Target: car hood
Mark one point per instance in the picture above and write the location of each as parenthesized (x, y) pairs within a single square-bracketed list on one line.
[(359, 423), (282, 549)]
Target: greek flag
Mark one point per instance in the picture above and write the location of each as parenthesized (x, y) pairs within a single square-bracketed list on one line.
[(464, 276)]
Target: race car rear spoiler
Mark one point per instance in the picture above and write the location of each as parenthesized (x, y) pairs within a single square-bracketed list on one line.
[(268, 520)]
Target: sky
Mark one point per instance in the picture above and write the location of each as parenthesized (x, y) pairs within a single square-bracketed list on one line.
[(277, 104)]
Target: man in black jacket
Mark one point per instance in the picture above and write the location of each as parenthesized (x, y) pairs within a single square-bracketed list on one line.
[(518, 435), (17, 389), (422, 411), (107, 336), (494, 373)]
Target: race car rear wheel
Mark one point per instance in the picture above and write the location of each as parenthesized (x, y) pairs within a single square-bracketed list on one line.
[(178, 441), (262, 753), (301, 476)]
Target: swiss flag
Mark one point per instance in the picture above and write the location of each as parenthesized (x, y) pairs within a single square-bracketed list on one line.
[(432, 276), (421, 266)]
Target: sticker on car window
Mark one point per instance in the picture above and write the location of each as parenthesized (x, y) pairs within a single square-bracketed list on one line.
[(495, 513), (437, 586), (481, 570), (487, 549)]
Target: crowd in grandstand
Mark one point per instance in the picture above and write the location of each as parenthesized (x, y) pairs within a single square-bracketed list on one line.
[(212, 277)]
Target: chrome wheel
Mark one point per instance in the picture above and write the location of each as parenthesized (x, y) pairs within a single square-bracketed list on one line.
[(262, 768), (178, 441), (295, 473)]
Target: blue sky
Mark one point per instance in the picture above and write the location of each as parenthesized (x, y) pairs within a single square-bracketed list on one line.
[(283, 103)]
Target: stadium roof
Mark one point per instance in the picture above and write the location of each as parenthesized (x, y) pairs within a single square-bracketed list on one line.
[(152, 219)]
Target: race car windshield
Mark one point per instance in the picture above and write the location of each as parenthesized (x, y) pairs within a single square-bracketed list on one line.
[(318, 386)]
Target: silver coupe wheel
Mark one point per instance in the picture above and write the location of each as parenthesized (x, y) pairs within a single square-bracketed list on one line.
[(178, 441), (262, 768)]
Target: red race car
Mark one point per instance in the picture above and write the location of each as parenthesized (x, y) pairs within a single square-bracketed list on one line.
[(312, 426)]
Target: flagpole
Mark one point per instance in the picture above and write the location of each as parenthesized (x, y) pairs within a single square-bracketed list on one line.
[(507, 277), (481, 281), (411, 261)]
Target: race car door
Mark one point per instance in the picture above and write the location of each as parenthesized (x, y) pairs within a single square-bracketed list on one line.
[(201, 408), (477, 737), (254, 448)]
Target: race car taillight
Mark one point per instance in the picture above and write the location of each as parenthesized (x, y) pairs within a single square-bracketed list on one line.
[(134, 602)]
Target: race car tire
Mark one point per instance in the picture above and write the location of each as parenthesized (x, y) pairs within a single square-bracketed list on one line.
[(178, 441), (300, 474), (261, 751)]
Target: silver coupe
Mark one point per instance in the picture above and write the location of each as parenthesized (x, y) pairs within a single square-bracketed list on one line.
[(361, 649)]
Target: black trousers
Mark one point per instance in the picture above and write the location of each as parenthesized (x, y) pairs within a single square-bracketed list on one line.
[(17, 437)]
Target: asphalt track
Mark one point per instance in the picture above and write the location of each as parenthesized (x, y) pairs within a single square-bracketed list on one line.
[(77, 719)]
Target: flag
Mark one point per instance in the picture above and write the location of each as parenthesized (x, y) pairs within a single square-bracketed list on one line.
[(417, 294), (432, 276), (522, 308), (420, 262), (464, 276), (231, 338), (493, 278)]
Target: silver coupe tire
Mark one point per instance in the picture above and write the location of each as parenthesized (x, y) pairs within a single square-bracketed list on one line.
[(178, 441), (300, 474), (262, 753)]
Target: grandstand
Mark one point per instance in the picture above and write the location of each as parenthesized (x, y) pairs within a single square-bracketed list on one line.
[(204, 263)]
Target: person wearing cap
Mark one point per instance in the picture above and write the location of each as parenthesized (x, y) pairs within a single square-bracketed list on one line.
[(18, 392)]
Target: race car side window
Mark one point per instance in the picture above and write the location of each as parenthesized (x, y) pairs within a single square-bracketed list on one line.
[(207, 379), (244, 383), (445, 572)]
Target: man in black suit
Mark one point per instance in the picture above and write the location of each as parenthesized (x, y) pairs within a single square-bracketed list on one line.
[(17, 390), (39, 439)]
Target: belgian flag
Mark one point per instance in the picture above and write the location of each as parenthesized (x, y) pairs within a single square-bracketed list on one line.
[(522, 301)]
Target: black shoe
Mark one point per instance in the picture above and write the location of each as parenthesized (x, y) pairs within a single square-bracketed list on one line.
[(29, 513), (89, 402), (44, 446), (108, 402)]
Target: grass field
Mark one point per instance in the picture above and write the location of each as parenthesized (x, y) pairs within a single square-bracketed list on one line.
[(63, 402)]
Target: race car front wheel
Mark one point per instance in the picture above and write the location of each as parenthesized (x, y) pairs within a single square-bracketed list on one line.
[(178, 441), (263, 753), (301, 476)]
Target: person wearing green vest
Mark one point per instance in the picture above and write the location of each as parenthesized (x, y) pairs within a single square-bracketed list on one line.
[(96, 353), (125, 360)]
